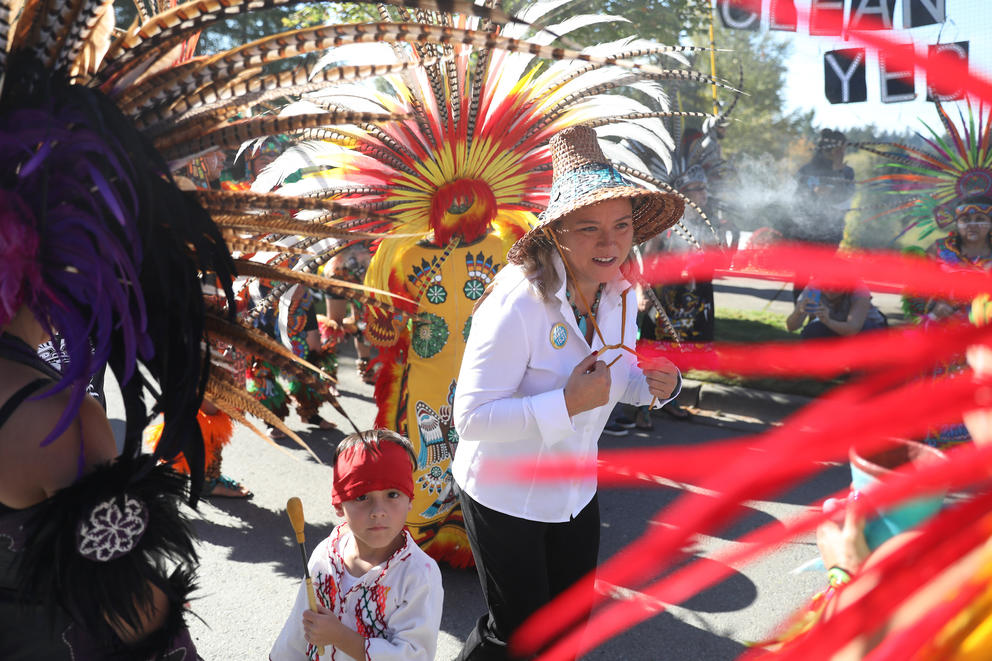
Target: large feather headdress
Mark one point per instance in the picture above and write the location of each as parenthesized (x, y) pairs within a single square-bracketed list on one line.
[(98, 240), (481, 101), (929, 181)]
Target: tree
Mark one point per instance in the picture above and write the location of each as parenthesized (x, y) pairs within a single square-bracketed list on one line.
[(759, 124), (662, 20)]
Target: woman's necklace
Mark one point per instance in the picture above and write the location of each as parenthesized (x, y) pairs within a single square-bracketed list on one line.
[(582, 319)]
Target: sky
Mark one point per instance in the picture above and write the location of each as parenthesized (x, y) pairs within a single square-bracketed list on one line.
[(967, 20)]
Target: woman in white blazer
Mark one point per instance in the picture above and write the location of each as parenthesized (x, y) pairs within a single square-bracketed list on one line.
[(541, 373)]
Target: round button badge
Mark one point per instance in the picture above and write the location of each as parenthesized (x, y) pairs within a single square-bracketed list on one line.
[(559, 335)]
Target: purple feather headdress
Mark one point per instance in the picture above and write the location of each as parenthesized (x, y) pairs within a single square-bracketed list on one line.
[(85, 282), (104, 249), (84, 279), (20, 274)]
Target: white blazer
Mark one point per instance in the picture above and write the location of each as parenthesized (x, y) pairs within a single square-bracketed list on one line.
[(510, 397)]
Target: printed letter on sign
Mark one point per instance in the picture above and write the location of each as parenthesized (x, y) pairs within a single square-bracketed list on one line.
[(826, 17), (783, 16), (872, 14), (922, 12), (898, 83), (737, 18), (946, 57), (844, 76)]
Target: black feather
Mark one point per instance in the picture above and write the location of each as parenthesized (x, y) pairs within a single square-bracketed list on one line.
[(96, 593)]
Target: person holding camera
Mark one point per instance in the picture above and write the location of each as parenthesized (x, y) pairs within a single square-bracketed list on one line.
[(833, 314)]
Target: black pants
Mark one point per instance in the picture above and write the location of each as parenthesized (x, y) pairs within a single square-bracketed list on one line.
[(523, 565)]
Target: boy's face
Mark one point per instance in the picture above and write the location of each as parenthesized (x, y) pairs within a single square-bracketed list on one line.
[(376, 518)]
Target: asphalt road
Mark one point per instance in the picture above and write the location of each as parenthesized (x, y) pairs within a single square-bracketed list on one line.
[(251, 564)]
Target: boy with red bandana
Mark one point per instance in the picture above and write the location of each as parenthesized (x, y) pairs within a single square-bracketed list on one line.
[(379, 596)]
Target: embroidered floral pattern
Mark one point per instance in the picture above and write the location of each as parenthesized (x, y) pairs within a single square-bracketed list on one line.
[(430, 334), (370, 611), (296, 321), (326, 590), (110, 532), (436, 294), (433, 480), (473, 289)]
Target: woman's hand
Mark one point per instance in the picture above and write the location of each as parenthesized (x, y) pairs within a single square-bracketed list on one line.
[(588, 386), (662, 376), (843, 546)]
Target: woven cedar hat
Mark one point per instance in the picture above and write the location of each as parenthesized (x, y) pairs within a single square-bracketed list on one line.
[(583, 176)]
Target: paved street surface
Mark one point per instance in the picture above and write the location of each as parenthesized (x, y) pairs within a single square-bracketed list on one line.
[(251, 565)]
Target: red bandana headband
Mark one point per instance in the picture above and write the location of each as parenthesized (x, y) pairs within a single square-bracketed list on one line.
[(360, 469)]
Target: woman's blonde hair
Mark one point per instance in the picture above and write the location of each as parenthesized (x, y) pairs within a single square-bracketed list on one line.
[(537, 259)]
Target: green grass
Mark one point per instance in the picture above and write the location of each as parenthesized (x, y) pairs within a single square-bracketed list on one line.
[(753, 326)]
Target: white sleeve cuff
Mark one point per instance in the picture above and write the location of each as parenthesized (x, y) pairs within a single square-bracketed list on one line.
[(551, 413)]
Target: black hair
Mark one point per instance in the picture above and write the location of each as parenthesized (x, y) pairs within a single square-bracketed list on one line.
[(371, 440), (829, 140)]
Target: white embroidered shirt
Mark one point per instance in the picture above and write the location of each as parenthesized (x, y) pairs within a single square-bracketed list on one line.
[(395, 606)]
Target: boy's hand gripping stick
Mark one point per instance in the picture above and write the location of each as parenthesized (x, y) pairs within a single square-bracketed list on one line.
[(294, 508)]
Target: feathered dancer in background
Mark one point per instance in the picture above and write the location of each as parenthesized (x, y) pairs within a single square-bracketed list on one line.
[(99, 244), (457, 183), (957, 164), (952, 168)]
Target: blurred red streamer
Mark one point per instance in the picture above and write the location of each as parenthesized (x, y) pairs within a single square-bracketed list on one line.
[(890, 398)]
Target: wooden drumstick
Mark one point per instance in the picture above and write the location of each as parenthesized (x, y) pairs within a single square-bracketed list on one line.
[(294, 508)]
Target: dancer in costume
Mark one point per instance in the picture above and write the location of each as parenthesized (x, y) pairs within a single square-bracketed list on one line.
[(446, 274), (690, 306), (289, 317), (459, 181), (969, 247), (99, 245), (950, 189), (534, 383), (346, 317), (379, 595)]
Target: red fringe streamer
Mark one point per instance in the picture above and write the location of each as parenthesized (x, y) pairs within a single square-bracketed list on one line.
[(769, 463), (867, 411), (878, 270)]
